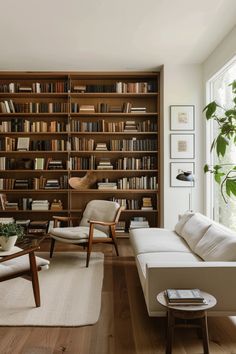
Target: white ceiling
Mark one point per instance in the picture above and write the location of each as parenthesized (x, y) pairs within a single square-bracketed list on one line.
[(110, 34)]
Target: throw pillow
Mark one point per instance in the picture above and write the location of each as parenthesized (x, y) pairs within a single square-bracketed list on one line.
[(194, 229), (217, 245), (183, 219)]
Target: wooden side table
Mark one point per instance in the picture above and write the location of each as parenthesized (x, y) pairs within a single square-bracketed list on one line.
[(187, 312)]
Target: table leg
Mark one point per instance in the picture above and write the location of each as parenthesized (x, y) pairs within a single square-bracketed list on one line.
[(205, 338), (34, 277), (170, 332)]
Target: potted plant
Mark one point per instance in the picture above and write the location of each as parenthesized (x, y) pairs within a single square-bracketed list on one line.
[(9, 233), (224, 173)]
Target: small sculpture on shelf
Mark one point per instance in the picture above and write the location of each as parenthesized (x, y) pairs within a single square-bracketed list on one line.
[(56, 205), (84, 182)]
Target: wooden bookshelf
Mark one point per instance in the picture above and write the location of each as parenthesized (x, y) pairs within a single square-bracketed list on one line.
[(66, 115)]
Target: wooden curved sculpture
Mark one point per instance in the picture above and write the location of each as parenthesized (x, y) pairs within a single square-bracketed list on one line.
[(83, 182)]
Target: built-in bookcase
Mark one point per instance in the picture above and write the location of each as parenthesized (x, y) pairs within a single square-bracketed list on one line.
[(54, 126)]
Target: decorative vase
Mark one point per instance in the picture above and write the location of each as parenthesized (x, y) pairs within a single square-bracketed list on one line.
[(7, 243), (83, 182)]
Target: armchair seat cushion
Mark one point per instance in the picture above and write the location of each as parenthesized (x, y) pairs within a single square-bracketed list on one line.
[(78, 233), (20, 265)]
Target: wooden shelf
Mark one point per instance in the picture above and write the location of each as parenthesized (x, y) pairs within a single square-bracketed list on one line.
[(143, 91)]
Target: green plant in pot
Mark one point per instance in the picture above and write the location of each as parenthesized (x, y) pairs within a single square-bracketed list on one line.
[(9, 233), (224, 173)]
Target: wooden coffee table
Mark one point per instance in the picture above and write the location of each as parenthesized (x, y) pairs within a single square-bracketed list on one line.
[(187, 312)]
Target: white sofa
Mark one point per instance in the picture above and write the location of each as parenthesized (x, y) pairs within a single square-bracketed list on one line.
[(199, 253)]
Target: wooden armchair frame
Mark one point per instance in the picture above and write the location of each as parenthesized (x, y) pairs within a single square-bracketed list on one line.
[(89, 242)]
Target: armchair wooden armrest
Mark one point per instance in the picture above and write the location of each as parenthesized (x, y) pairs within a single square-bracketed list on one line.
[(103, 223), (19, 254)]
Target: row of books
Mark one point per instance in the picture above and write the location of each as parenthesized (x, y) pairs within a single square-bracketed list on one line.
[(133, 163), (106, 126), (38, 163), (102, 107), (24, 144), (118, 87), (34, 183), (29, 204), (35, 87), (27, 126), (8, 106), (143, 182), (64, 86)]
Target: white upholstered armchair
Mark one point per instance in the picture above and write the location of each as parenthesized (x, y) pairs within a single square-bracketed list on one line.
[(96, 226)]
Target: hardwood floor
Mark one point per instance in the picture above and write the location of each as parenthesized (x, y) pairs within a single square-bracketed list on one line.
[(124, 326)]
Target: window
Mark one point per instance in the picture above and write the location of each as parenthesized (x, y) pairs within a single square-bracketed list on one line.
[(220, 91)]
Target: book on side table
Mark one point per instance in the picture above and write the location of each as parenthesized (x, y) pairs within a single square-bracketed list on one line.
[(185, 297)]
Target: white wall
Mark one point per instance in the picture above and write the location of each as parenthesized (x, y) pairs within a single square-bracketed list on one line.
[(183, 86), (220, 56)]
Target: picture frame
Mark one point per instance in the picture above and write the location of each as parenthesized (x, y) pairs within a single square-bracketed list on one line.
[(182, 146), (178, 167), (182, 117)]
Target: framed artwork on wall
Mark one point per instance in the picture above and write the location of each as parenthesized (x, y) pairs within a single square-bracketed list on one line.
[(182, 146), (179, 167), (182, 117)]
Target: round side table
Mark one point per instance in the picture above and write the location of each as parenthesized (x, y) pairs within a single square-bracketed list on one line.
[(187, 312)]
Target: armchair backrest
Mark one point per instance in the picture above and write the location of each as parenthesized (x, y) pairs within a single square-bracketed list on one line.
[(100, 210)]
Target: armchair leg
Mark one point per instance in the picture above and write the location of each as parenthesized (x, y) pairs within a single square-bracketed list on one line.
[(90, 242), (52, 247), (34, 277), (113, 236)]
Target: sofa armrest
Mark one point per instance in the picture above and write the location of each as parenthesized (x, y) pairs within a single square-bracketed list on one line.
[(216, 278)]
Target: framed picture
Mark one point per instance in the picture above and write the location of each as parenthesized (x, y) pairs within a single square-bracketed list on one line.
[(182, 117), (177, 168), (182, 146)]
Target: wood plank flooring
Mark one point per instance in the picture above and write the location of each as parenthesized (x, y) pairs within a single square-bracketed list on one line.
[(124, 326)]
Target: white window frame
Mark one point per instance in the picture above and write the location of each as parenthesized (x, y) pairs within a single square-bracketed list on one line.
[(209, 180)]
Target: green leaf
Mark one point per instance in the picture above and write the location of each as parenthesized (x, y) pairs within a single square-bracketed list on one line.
[(231, 187), (221, 144), (206, 168), (218, 177), (210, 109), (230, 112)]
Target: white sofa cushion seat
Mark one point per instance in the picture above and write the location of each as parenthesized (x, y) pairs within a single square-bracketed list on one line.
[(146, 240), (76, 234), (20, 264), (162, 257), (218, 244), (194, 229)]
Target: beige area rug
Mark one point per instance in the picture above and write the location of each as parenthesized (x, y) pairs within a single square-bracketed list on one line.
[(70, 293)]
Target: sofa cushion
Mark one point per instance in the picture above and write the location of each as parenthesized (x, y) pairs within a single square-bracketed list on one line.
[(163, 257), (156, 240), (218, 244), (194, 229), (183, 219)]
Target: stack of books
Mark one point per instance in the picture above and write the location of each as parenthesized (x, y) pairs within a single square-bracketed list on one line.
[(107, 185), (38, 227), (86, 109), (101, 147), (42, 204), (104, 164), (138, 222), (184, 297), (21, 184), (138, 110), (54, 164), (52, 184), (147, 203), (130, 126), (11, 206), (120, 226)]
